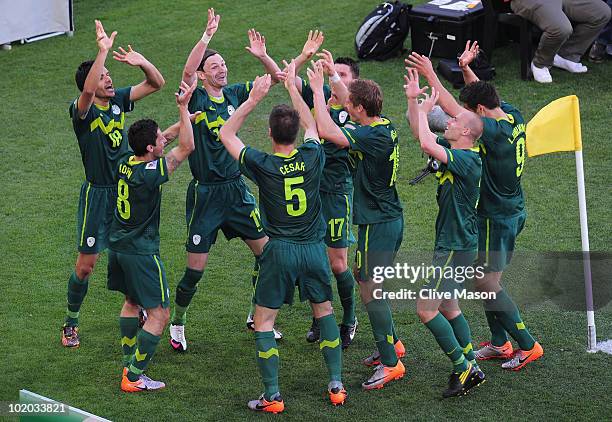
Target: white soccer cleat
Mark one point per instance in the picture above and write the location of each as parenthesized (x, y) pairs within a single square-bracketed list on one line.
[(177, 338)]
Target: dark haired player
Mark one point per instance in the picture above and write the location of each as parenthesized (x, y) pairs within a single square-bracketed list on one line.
[(217, 197), (501, 209), (134, 265), (288, 183), (98, 120)]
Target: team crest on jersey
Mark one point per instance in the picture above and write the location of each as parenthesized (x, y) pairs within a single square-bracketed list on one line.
[(151, 165), (196, 239), (230, 109), (343, 116), (91, 241), (116, 109)]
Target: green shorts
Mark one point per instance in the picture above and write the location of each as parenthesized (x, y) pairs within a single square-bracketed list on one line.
[(336, 209), (283, 265), (228, 206), (377, 246), (496, 238), (140, 277), (449, 270), (94, 217)]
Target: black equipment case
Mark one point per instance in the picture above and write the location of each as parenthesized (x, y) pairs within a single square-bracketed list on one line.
[(440, 28)]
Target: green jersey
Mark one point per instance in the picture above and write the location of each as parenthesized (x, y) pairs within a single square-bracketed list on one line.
[(375, 150), (210, 162), (457, 196), (102, 138), (502, 150), (135, 228), (337, 172), (289, 190)]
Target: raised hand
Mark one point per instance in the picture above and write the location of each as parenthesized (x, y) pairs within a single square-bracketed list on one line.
[(313, 43), (104, 42), (184, 94), (469, 54), (257, 43), (261, 86), (411, 87), (421, 63), (327, 61), (430, 100), (213, 22), (131, 57), (315, 76), (288, 75)]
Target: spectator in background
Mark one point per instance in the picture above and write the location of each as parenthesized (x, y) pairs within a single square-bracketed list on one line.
[(561, 45), (602, 44)]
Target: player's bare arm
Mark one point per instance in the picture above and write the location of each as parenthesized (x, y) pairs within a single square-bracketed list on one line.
[(307, 121), (228, 133), (412, 91), (257, 47), (311, 46), (467, 57), (105, 43), (339, 90), (179, 153), (154, 80), (197, 53), (172, 132), (426, 137), (325, 125), (423, 65)]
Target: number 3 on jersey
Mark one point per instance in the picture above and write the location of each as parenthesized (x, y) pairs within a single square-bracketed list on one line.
[(123, 206), (291, 192)]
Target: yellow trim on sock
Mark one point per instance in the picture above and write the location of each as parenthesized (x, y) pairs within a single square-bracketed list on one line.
[(331, 344), (268, 354)]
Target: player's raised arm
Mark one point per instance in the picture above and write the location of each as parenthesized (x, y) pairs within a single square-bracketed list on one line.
[(154, 80), (468, 55), (311, 46), (306, 119), (426, 137), (325, 125), (257, 47), (197, 53), (338, 88), (423, 65), (179, 153), (228, 133), (172, 132), (105, 43), (412, 91)]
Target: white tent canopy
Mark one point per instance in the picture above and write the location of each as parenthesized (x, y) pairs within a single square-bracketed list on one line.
[(21, 20)]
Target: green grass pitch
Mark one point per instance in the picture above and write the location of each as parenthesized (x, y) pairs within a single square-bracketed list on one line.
[(42, 173)]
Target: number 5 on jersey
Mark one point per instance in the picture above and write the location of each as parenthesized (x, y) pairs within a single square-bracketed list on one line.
[(291, 192)]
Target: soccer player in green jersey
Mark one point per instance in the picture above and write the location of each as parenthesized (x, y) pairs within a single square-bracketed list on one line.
[(456, 232), (134, 265), (288, 183), (373, 142), (98, 119), (217, 197), (501, 209)]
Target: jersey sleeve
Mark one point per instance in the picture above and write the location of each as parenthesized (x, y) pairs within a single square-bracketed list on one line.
[(461, 162), (74, 115), (360, 138), (156, 173), (242, 90), (250, 162), (308, 95), (443, 142), (122, 97), (314, 144)]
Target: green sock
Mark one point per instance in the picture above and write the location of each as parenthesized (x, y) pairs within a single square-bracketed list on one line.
[(129, 328), (443, 332), (254, 276), (267, 361), (498, 333), (146, 343), (463, 335), (509, 316), (184, 293), (329, 344), (382, 328), (77, 289), (346, 292)]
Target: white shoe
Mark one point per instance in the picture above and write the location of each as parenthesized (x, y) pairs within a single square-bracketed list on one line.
[(541, 75), (177, 338), (568, 65), (250, 323), (277, 334)]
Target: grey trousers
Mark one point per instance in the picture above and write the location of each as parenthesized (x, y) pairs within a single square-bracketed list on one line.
[(553, 18)]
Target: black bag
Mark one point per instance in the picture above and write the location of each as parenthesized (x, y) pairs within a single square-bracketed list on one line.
[(450, 70), (382, 33)]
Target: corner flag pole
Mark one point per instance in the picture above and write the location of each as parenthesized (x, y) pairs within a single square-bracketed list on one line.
[(586, 255)]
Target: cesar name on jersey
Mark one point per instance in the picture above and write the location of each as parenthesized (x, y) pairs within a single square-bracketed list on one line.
[(291, 167)]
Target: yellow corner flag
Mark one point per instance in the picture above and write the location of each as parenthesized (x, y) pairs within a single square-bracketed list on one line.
[(555, 128)]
